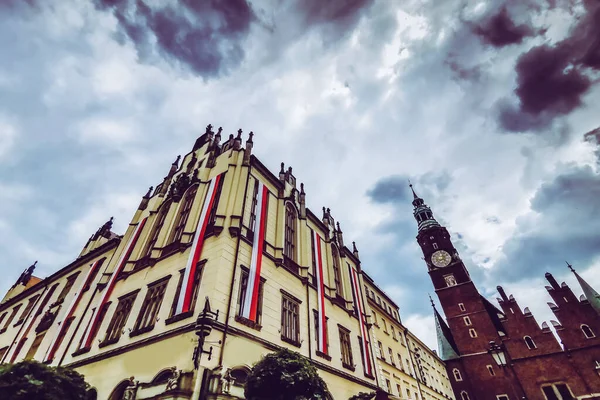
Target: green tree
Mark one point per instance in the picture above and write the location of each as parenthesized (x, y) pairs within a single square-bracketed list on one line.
[(31, 380), (363, 396), (285, 375)]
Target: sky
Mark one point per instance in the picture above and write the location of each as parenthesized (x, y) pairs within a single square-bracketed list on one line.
[(486, 106)]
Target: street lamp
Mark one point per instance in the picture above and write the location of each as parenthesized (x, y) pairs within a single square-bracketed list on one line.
[(498, 354), (203, 328)]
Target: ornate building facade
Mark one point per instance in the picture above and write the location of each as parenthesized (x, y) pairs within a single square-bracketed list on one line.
[(222, 263), (503, 354)]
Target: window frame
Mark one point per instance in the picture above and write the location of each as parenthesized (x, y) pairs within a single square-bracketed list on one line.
[(119, 319), (583, 327), (290, 319), (346, 348), (337, 272), (183, 215), (159, 222), (457, 375), (290, 241), (530, 344), (151, 305), (244, 277)]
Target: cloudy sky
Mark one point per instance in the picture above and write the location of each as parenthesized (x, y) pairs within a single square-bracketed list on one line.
[(487, 106)]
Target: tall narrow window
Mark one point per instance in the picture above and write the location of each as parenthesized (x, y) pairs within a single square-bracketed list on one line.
[(3, 351), (461, 307), (65, 291), (158, 224), (336, 271), (457, 375), (393, 332), (587, 332), (14, 312), (391, 356), (35, 346), (27, 309), (119, 319), (242, 297), (313, 252), (151, 306), (252, 225), (2, 317), (290, 320), (317, 324), (529, 342), (346, 348), (384, 325), (213, 212), (491, 370), (177, 293), (472, 333), (464, 395), (467, 321), (289, 249), (381, 354), (558, 391), (184, 214)]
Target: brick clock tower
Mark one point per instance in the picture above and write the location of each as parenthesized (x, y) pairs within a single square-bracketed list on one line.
[(504, 354)]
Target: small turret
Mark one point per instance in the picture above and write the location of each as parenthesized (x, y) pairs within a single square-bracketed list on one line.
[(339, 235), (302, 201), (237, 143), (248, 152)]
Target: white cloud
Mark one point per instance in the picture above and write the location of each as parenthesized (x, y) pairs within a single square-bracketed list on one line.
[(8, 135)]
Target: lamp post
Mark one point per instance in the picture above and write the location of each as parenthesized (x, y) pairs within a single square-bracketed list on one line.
[(203, 328), (498, 353)]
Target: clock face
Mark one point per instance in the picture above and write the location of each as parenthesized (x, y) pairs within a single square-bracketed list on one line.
[(441, 258)]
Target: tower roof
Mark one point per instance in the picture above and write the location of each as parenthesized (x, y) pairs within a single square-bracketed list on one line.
[(446, 345), (422, 213), (590, 293)]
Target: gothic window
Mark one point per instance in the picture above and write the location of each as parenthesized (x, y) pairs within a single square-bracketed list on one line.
[(67, 288), (467, 321), (336, 271), (464, 395), (472, 333), (119, 319), (491, 370), (28, 309), (253, 207), (290, 320), (529, 342), (158, 224), (317, 324), (313, 252), (184, 214), (151, 306), (242, 296), (346, 348), (461, 307), (587, 331), (213, 212), (14, 312), (35, 346), (450, 280), (289, 249)]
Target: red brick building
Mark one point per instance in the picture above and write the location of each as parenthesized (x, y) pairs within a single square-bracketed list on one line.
[(502, 353)]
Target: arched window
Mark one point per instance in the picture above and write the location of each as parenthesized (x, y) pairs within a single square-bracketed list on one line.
[(158, 224), (587, 331), (184, 214), (289, 249), (337, 274), (464, 395), (457, 375), (529, 342)]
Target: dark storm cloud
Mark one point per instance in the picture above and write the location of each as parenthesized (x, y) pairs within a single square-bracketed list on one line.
[(500, 30), (552, 79), (343, 14), (393, 189), (205, 37), (564, 225)]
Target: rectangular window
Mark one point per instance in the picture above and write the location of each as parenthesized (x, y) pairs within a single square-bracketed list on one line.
[(289, 248), (195, 288), (119, 319), (14, 312), (435, 246), (399, 389), (35, 346), (313, 253), (472, 333), (393, 332), (27, 309), (384, 325), (177, 293), (400, 363), (213, 212), (151, 306), (65, 291), (549, 393), (467, 321), (253, 207), (502, 397), (389, 385), (408, 393), (391, 356), (290, 320), (184, 214), (346, 348), (461, 307), (242, 297), (158, 224), (317, 323)]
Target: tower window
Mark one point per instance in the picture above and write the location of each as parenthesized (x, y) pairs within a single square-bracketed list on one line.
[(336, 271), (435, 246), (491, 370), (464, 395), (467, 321), (558, 391), (587, 331), (502, 397), (461, 307), (450, 280), (457, 375), (472, 333), (529, 342), (289, 249)]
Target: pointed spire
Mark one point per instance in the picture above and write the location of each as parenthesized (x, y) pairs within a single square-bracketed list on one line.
[(174, 166), (149, 192), (446, 344), (422, 212), (590, 293)]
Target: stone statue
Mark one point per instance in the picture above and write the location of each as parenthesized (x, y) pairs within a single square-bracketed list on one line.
[(173, 382), (131, 389), (226, 381)]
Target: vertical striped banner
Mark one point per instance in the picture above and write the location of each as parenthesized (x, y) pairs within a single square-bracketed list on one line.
[(89, 335), (31, 318), (184, 302), (361, 316), (60, 333), (251, 298), (320, 295)]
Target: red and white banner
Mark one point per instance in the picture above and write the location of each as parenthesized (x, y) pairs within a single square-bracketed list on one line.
[(89, 335), (361, 316), (60, 333), (184, 302), (251, 300), (322, 345)]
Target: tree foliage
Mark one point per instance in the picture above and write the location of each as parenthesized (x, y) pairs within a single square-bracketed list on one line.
[(285, 375), (31, 380), (363, 396)]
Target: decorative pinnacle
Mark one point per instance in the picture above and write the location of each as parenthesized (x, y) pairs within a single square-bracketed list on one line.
[(239, 136), (338, 227), (282, 167), (220, 130), (354, 249), (431, 300), (208, 128), (301, 188), (413, 190), (570, 266), (176, 162), (149, 192), (250, 137)]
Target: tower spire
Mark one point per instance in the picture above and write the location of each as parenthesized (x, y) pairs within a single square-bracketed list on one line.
[(422, 212), (590, 293), (446, 345)]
